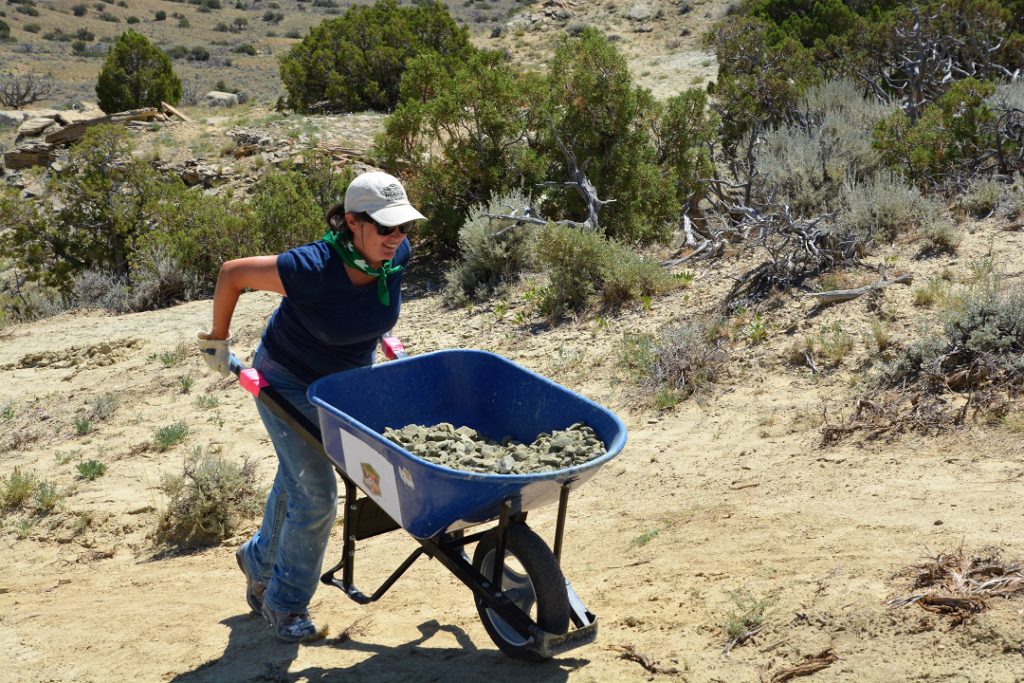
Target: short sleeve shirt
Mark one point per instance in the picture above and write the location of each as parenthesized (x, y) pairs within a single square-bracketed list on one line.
[(325, 323)]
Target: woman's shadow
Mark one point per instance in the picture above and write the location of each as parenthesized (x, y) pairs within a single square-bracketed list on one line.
[(252, 654)]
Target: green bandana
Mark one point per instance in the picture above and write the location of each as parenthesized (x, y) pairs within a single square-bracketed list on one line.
[(354, 259)]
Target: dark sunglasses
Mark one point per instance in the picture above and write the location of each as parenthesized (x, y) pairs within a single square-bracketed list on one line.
[(385, 230)]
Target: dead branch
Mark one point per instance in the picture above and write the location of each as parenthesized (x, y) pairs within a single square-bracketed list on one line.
[(742, 638), (629, 653), (810, 665), (582, 184), (839, 295), (18, 91)]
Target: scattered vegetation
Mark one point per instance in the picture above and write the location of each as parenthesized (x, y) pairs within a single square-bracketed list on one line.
[(91, 469), (746, 619)]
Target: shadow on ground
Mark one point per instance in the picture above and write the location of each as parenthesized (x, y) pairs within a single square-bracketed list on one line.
[(250, 655)]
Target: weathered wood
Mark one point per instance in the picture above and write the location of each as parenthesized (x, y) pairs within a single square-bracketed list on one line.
[(174, 112), (838, 295), (144, 114)]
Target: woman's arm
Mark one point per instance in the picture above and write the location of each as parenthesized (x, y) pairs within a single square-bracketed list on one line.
[(253, 272)]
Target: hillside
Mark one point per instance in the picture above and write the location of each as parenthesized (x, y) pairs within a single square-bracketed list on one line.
[(661, 39), (725, 514)]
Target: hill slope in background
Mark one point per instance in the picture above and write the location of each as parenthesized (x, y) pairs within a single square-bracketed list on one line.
[(660, 37), (724, 512)]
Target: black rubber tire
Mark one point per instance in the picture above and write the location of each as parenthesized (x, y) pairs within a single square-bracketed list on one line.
[(532, 579)]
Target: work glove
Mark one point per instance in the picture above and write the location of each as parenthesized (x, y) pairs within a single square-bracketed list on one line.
[(215, 352)]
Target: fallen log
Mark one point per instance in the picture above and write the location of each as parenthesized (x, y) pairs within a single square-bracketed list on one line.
[(174, 112), (835, 296)]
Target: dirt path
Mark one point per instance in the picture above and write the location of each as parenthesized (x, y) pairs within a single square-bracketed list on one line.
[(710, 504)]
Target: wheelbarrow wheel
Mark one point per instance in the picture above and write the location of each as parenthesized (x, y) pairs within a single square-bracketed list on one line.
[(532, 580)]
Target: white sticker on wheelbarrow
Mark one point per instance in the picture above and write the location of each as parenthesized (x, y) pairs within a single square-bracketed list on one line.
[(372, 472)]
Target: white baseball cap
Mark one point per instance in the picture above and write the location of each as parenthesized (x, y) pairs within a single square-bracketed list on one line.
[(382, 196)]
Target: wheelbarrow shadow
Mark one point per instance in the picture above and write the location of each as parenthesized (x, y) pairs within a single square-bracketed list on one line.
[(251, 654)]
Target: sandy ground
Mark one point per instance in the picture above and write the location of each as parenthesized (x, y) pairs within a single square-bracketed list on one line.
[(729, 496)]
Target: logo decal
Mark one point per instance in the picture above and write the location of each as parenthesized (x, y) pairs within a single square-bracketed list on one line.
[(394, 192)]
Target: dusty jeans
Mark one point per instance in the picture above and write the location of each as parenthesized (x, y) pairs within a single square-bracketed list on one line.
[(288, 550)]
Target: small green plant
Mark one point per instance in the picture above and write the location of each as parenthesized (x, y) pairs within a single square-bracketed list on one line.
[(46, 498), (930, 293), (185, 383), (7, 412), (179, 355), (636, 353), (756, 330), (207, 402), (645, 538), (685, 278), (83, 425), (877, 336), (835, 343), (91, 469), (747, 617), (170, 435), (17, 489), (24, 528)]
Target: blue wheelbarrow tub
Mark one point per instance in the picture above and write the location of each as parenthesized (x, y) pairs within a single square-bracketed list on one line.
[(478, 389)]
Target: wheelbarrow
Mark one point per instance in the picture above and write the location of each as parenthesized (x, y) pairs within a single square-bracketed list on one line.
[(523, 599)]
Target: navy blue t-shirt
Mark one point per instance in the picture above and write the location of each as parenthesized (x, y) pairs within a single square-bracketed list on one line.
[(326, 324)]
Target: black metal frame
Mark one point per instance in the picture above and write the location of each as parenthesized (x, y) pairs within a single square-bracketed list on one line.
[(365, 519)]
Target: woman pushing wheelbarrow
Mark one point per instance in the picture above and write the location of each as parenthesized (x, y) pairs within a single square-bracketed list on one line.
[(341, 294)]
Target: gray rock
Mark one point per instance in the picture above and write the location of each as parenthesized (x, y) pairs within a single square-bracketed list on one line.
[(35, 126), (216, 98), (640, 12), (12, 117)]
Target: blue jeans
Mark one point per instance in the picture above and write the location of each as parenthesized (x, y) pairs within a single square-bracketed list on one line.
[(288, 550)]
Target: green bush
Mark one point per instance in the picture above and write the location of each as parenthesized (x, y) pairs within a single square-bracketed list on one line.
[(947, 143), (208, 501), (284, 212), (160, 15), (602, 117), (136, 74), (5, 31), (494, 251), (80, 9), (355, 62), (16, 489), (198, 232), (99, 213), (477, 121), (584, 265)]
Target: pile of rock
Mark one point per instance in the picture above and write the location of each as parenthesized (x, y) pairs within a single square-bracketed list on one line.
[(463, 448)]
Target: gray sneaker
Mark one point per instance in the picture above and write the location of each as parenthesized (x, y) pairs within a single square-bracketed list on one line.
[(291, 627), (254, 589)]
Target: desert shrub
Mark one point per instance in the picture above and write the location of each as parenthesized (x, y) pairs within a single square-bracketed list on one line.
[(5, 31), (208, 501), (99, 213), (884, 208), (245, 49), (685, 360), (177, 52), (33, 28), (198, 54), (198, 232), (981, 345), (132, 20), (136, 74), (80, 9), (160, 15), (16, 489), (805, 164), (95, 289), (326, 184), (583, 264), (161, 280), (356, 61), (494, 251), (284, 212)]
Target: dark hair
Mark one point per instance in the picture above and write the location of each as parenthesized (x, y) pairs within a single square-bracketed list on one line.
[(336, 219)]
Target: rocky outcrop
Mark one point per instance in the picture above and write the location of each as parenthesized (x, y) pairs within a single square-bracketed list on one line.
[(215, 98)]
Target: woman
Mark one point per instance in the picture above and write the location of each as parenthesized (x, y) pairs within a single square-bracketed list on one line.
[(340, 295)]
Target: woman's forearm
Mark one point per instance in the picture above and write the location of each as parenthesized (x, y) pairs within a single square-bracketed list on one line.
[(254, 272)]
